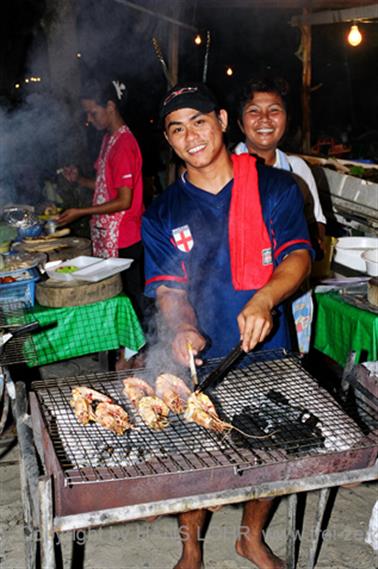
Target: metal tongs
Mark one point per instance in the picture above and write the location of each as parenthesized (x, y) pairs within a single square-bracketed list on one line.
[(221, 369), (16, 330)]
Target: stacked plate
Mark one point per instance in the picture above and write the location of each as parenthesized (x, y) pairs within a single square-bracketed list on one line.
[(358, 253)]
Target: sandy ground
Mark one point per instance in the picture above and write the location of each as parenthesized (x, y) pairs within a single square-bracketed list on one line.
[(141, 545)]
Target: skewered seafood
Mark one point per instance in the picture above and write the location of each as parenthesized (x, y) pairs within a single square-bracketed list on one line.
[(135, 389), (112, 417), (173, 391), (91, 405), (201, 410), (81, 403), (152, 409), (154, 412)]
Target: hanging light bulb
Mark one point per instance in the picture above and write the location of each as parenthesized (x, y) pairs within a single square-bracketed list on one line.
[(229, 71), (354, 36), (198, 39)]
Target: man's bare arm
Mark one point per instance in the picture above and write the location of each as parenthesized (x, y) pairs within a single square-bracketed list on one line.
[(180, 318), (255, 320)]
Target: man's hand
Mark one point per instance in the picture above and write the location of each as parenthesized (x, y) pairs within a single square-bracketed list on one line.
[(69, 216), (183, 337), (179, 316), (255, 322)]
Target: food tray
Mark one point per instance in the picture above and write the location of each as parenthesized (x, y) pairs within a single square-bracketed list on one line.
[(81, 262), (21, 261), (21, 290), (91, 269), (104, 269)]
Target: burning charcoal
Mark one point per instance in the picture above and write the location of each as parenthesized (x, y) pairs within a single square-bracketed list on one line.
[(105, 452), (141, 452)]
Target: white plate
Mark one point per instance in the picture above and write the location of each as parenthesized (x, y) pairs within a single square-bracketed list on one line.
[(81, 262), (104, 269), (349, 250), (350, 258), (371, 259), (361, 243)]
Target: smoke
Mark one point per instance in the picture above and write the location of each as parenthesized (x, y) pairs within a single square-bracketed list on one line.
[(30, 136), (41, 132)]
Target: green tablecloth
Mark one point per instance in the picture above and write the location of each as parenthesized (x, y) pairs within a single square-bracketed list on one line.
[(97, 327), (341, 328)]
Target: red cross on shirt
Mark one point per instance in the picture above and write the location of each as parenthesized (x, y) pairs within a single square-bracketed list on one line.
[(184, 241)]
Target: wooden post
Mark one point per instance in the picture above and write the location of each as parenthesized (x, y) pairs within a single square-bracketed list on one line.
[(46, 523), (291, 530), (29, 473), (306, 82)]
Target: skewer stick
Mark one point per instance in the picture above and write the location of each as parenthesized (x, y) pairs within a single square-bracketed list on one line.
[(192, 365)]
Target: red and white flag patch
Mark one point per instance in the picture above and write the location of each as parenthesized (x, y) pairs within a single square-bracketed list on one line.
[(183, 238)]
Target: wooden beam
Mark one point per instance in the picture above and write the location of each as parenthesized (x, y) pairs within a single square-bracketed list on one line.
[(359, 13), (135, 6)]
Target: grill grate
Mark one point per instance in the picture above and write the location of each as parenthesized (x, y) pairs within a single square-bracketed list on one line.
[(280, 395), (20, 349)]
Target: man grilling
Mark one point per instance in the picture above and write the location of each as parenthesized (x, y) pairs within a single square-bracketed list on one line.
[(225, 244)]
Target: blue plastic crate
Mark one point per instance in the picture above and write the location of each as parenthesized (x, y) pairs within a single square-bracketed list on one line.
[(21, 291)]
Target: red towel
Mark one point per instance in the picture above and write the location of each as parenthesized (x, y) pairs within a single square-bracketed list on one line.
[(250, 244)]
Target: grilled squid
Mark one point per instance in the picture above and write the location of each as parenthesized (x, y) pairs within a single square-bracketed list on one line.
[(91, 405), (154, 412), (173, 391)]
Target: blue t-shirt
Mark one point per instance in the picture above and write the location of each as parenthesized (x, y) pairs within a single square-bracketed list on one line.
[(185, 234)]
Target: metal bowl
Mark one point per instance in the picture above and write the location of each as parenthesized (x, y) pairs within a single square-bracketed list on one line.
[(18, 216)]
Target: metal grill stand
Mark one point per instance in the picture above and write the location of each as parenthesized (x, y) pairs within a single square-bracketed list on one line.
[(16, 351), (279, 475)]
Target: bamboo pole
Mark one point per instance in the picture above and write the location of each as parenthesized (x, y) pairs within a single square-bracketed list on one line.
[(306, 82)]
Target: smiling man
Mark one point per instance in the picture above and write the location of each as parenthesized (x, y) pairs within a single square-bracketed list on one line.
[(225, 244)]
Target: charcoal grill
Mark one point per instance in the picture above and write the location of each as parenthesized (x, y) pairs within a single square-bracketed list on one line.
[(184, 459), (19, 349), (93, 477)]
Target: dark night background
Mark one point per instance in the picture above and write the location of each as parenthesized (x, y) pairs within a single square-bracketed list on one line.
[(115, 40)]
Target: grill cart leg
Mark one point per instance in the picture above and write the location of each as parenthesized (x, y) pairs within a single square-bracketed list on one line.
[(322, 503), (29, 473), (4, 401), (46, 523), (78, 549), (291, 530)]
